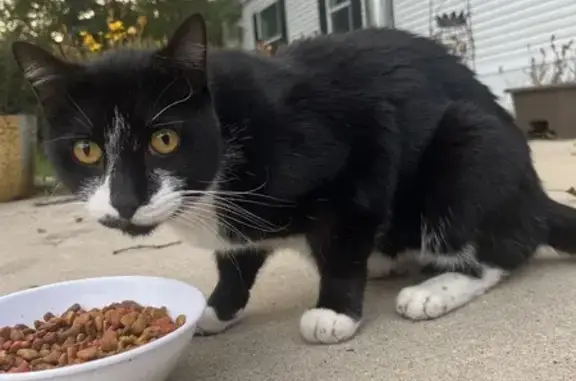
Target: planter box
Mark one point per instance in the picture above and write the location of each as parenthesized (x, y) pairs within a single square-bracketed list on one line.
[(17, 156), (550, 107)]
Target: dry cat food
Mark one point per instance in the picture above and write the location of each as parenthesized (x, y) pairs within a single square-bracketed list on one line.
[(78, 336)]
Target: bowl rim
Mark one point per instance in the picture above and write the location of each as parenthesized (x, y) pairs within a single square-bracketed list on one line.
[(71, 370)]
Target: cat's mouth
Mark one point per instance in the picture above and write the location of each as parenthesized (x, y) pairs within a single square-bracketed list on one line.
[(127, 227)]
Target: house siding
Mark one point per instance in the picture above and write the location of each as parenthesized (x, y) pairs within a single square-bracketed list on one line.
[(302, 19), (412, 15), (502, 33), (506, 34)]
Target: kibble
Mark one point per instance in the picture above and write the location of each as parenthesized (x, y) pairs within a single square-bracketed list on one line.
[(78, 336)]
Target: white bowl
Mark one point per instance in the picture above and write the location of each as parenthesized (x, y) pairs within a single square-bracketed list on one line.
[(150, 362)]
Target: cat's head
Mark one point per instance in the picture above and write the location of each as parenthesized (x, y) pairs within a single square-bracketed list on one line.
[(132, 132)]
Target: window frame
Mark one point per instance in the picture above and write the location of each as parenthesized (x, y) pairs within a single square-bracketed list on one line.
[(280, 19), (356, 12), (330, 10)]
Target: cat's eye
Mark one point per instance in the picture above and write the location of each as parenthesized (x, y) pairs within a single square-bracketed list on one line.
[(164, 142), (87, 152)]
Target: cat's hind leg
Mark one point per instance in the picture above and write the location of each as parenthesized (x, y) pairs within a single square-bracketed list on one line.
[(473, 270), (483, 212), (449, 290)]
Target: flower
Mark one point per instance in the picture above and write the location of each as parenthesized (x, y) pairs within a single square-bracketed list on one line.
[(116, 33), (90, 42), (96, 47), (116, 26)]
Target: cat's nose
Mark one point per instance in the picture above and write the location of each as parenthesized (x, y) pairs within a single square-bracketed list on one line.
[(125, 205), (126, 211), (127, 189)]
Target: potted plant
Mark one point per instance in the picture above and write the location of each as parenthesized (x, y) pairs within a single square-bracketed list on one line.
[(547, 107), (18, 128)]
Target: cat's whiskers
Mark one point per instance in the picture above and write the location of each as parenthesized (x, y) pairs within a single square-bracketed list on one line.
[(81, 120), (60, 138), (186, 98), (236, 198), (209, 213), (216, 182), (194, 223), (77, 106), (65, 204), (162, 93), (169, 123), (230, 191), (237, 214), (58, 186), (224, 223), (260, 222), (244, 199), (251, 193)]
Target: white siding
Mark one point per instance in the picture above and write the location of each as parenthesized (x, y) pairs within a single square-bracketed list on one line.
[(412, 15), (502, 31), (301, 17)]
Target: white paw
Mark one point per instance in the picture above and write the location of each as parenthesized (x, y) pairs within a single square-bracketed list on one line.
[(419, 303), (209, 324), (443, 293), (324, 326)]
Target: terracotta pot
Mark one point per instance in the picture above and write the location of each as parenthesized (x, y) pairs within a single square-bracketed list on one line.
[(17, 156)]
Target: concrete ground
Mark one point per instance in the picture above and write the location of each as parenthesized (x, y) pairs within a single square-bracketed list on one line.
[(523, 330)]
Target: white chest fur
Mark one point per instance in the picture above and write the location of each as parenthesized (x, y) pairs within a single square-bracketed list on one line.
[(205, 236)]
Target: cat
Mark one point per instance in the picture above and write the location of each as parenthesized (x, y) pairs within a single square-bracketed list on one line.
[(362, 148)]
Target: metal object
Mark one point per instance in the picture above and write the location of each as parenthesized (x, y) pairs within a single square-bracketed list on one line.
[(379, 13)]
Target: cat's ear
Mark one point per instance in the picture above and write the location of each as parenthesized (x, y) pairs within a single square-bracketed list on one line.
[(186, 49), (44, 71)]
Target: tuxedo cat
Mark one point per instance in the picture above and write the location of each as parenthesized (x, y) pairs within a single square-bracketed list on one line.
[(357, 148)]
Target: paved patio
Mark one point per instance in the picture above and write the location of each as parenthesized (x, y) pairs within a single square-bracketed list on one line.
[(524, 330)]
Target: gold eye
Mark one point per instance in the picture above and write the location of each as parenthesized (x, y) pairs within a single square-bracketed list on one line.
[(87, 152), (164, 142)]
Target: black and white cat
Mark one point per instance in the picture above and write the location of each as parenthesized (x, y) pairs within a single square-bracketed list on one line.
[(347, 146)]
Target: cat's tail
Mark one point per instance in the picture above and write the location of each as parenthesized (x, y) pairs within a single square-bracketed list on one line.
[(562, 227)]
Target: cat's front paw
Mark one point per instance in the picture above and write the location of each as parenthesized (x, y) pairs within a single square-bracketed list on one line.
[(209, 323), (325, 326)]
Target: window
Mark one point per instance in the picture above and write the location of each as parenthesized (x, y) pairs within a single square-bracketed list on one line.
[(339, 16), (270, 25)]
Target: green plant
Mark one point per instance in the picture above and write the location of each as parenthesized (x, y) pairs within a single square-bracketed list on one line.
[(117, 35)]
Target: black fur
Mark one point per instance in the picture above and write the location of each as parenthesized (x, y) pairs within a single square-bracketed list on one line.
[(356, 141)]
